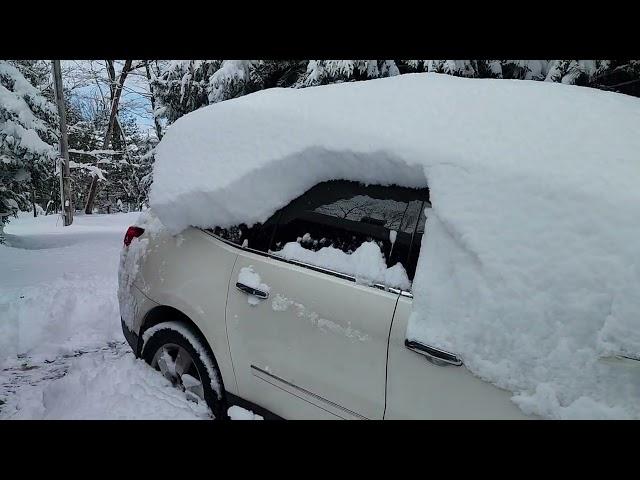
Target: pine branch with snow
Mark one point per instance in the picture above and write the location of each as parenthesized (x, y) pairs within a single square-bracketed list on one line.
[(27, 138)]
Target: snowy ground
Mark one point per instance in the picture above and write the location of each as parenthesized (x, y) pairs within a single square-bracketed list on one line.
[(62, 352)]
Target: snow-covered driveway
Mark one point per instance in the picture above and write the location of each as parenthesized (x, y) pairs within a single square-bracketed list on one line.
[(62, 352)]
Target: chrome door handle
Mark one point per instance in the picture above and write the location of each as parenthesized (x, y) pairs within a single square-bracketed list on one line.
[(252, 291), (436, 356)]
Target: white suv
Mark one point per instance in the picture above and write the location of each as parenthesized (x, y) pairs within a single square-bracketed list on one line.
[(233, 316)]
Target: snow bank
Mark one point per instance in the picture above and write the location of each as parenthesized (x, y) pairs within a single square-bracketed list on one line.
[(58, 284), (51, 319), (98, 389), (48, 318), (530, 267)]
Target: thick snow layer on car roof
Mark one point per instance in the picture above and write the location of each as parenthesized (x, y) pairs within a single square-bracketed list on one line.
[(530, 266)]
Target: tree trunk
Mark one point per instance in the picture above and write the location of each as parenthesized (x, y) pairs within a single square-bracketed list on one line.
[(115, 100), (153, 102)]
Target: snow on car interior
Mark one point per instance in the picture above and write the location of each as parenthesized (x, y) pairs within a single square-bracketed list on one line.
[(415, 247)]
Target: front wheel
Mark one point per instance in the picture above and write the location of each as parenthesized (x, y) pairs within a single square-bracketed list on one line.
[(175, 351)]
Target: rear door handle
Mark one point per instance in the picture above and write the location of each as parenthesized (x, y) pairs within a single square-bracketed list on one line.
[(252, 291), (434, 355)]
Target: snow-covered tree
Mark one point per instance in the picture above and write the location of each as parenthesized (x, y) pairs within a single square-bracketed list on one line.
[(321, 72), (127, 174), (233, 79), (577, 72), (183, 86), (27, 136), (123, 171), (460, 68)]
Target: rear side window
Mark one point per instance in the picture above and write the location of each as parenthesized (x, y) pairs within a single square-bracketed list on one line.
[(344, 215), (257, 237)]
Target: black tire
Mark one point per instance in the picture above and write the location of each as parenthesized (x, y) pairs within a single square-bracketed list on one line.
[(171, 334)]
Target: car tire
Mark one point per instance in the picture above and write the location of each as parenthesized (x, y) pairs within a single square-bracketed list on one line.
[(174, 350)]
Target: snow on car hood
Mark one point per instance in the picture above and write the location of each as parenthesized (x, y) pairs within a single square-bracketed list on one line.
[(530, 266)]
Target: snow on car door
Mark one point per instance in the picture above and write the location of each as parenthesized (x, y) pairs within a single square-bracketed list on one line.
[(307, 329)]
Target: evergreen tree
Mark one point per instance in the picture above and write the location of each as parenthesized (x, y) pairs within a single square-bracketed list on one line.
[(127, 173), (459, 68), (578, 72), (186, 85), (27, 136), (123, 171), (321, 72), (182, 86)]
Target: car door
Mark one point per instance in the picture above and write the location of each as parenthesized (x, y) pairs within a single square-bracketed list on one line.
[(309, 339), (430, 384), (424, 382)]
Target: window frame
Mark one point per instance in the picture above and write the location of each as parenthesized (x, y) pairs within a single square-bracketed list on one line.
[(278, 214)]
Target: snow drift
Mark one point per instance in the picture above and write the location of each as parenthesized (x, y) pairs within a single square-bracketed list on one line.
[(530, 266)]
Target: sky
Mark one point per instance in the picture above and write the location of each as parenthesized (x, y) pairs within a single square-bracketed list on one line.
[(79, 76)]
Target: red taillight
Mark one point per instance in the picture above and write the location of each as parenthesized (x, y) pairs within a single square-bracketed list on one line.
[(132, 232)]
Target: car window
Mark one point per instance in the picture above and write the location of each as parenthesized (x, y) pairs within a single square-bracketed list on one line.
[(256, 237), (343, 215)]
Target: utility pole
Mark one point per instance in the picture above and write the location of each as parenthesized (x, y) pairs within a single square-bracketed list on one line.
[(65, 174)]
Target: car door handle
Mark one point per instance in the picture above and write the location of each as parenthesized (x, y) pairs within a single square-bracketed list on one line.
[(434, 355), (252, 291)]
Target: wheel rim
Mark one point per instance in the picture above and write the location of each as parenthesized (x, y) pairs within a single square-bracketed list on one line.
[(176, 365)]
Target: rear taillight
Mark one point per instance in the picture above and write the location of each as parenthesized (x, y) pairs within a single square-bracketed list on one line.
[(132, 232)]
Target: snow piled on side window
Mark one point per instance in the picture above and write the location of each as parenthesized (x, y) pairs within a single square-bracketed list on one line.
[(366, 263), (529, 266)]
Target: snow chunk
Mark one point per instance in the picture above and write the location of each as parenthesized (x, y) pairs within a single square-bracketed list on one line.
[(281, 303), (366, 264), (528, 268), (248, 277), (238, 413)]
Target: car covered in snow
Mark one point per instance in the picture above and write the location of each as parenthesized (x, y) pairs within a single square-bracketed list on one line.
[(304, 315), (421, 246)]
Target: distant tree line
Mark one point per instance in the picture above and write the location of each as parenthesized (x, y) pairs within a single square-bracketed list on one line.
[(186, 85)]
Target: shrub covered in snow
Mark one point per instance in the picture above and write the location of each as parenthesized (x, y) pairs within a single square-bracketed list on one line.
[(26, 139)]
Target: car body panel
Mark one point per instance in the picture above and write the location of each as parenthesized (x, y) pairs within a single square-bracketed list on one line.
[(320, 337), (418, 389), (190, 272)]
